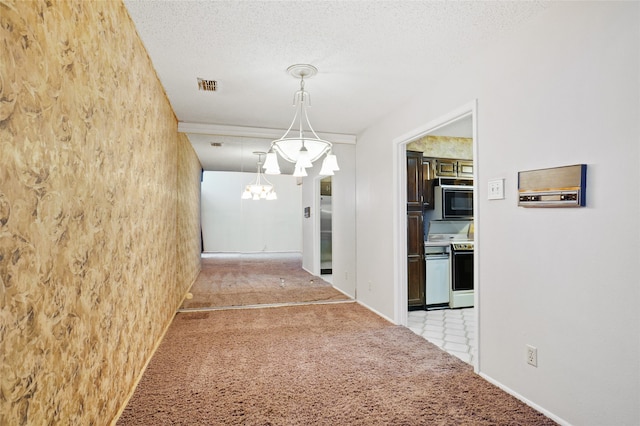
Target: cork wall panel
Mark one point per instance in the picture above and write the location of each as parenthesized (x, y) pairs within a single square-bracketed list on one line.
[(88, 211), (444, 147)]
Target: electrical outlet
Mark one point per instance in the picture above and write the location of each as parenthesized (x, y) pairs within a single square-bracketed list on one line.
[(496, 189), (532, 355)]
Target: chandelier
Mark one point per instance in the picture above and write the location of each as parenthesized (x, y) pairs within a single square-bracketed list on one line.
[(258, 190), (296, 147)]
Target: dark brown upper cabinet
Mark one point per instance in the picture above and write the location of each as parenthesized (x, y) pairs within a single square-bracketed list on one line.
[(414, 180), (427, 183), (454, 168)]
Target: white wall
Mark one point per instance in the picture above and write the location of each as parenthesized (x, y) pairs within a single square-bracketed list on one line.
[(230, 224), (343, 220), (561, 89)]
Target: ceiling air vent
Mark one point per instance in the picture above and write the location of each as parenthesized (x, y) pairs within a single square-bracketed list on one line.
[(207, 85)]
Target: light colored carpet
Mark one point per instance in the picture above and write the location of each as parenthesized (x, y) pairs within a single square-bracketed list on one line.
[(333, 364), (256, 279)]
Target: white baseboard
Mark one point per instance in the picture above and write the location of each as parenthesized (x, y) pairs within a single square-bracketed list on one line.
[(531, 404), (375, 312)]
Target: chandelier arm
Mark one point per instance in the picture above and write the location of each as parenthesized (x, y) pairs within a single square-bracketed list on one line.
[(306, 117), (267, 180), (295, 116)]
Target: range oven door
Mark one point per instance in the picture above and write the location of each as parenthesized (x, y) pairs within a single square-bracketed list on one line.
[(462, 294)]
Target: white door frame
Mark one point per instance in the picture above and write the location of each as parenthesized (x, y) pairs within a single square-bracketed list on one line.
[(317, 228), (315, 217), (399, 211)]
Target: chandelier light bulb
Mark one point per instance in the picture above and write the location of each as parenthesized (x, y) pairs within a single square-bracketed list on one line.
[(329, 165), (303, 158), (300, 172), (271, 166), (332, 161), (325, 170)]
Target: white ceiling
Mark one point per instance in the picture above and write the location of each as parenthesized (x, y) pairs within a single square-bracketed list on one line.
[(371, 57)]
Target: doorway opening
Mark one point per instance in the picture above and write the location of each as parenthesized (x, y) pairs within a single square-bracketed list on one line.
[(401, 222), (326, 231)]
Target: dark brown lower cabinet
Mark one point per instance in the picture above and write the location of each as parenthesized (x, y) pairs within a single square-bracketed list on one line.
[(415, 260)]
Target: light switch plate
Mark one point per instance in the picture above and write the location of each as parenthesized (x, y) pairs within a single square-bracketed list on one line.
[(496, 189)]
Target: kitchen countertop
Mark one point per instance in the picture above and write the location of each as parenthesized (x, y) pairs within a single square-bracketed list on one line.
[(446, 242), (437, 243)]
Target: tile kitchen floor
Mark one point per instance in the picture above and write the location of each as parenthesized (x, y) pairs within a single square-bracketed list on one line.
[(452, 330)]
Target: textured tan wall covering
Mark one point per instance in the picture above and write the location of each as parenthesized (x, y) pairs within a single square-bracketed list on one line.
[(189, 237), (95, 182), (444, 147)]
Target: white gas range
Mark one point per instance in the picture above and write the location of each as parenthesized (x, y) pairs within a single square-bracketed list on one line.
[(449, 264)]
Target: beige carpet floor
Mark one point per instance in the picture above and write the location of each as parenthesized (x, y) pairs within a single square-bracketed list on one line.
[(256, 279), (330, 364)]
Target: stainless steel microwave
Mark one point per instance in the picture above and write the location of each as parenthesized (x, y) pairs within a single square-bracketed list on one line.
[(453, 202)]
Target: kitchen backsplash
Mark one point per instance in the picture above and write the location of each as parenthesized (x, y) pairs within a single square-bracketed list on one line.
[(444, 147)]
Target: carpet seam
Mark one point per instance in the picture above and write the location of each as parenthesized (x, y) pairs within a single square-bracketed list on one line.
[(262, 306)]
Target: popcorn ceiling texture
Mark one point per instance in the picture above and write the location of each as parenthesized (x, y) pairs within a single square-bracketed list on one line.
[(444, 147), (99, 221)]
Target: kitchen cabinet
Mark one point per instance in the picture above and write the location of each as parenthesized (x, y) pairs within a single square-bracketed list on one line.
[(415, 260), (454, 168), (415, 230), (414, 180), (465, 168), (419, 181), (427, 184), (446, 168)]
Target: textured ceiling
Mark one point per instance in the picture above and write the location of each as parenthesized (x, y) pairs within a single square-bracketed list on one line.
[(371, 55)]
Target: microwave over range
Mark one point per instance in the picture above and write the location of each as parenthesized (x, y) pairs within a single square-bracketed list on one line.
[(452, 202)]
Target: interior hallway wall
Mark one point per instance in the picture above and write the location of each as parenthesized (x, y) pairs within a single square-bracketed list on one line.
[(343, 193), (189, 241), (560, 89), (231, 224), (97, 227)]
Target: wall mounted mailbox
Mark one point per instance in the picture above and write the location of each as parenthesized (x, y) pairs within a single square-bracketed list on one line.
[(554, 187)]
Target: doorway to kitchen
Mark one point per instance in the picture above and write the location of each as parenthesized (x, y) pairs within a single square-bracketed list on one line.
[(466, 113)]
